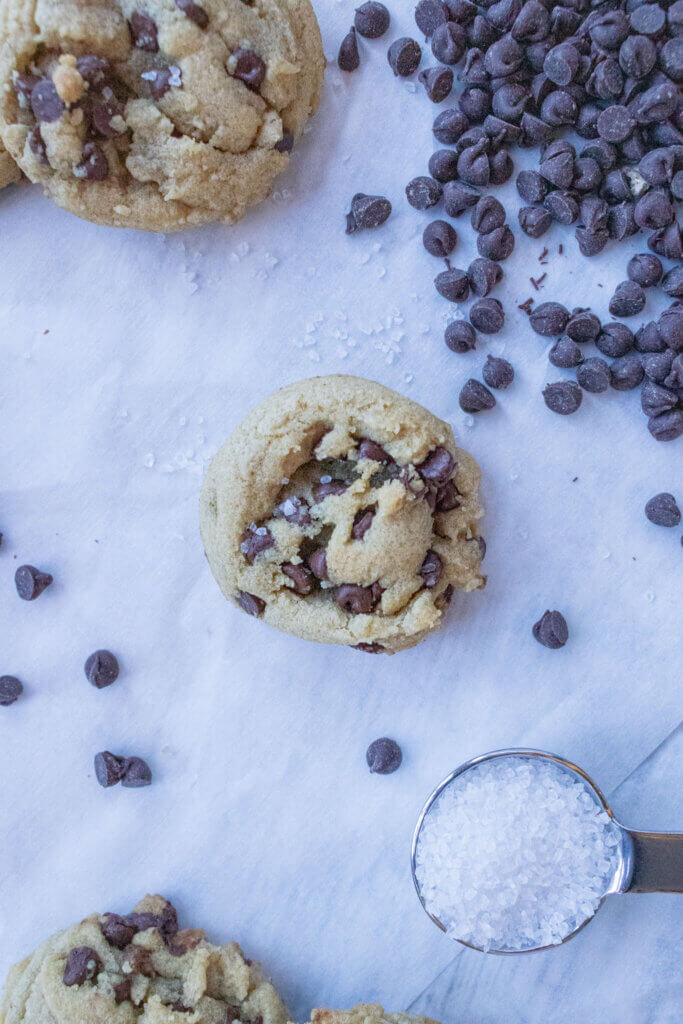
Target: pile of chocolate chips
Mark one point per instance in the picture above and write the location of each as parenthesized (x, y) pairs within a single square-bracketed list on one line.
[(533, 70)]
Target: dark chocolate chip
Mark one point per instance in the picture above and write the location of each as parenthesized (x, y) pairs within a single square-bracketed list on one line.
[(551, 630), (348, 57), (548, 319), (438, 82), (11, 690), (431, 569), (593, 375), (656, 399), (250, 603), (96, 71), (583, 326), (117, 931), (654, 210), (443, 165), (103, 111), (562, 207), (384, 755), (615, 340), (423, 192), (367, 212), (475, 397), (449, 125), (123, 990), (301, 576), (369, 648), (286, 143), (453, 284), (429, 14), (144, 32), (657, 365), (487, 316), (488, 214), (497, 373), (82, 964), (666, 427), (256, 539), (648, 338), (136, 773), (318, 563), (484, 274), (458, 197), (327, 487), (645, 269), (369, 449), (295, 510), (672, 282), (460, 336), (591, 242), (194, 12), (372, 19), (439, 238), (94, 165), (404, 56), (362, 521), (662, 510), (563, 397), (437, 467), (248, 68), (626, 372), (667, 242), (45, 101), (628, 299), (31, 582), (36, 144), (496, 244), (101, 669), (447, 497), (108, 768), (473, 165), (534, 220), (565, 353), (356, 600), (449, 42)]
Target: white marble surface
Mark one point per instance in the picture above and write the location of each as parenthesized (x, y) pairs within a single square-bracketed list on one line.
[(126, 361)]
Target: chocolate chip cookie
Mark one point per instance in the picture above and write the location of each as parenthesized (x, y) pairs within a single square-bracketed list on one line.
[(9, 172), (342, 512), (156, 114), (365, 1013), (113, 969)]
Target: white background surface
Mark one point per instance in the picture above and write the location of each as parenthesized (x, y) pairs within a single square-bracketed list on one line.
[(263, 823)]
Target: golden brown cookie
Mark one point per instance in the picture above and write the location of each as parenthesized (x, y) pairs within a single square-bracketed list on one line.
[(342, 512), (156, 114), (112, 969), (365, 1013)]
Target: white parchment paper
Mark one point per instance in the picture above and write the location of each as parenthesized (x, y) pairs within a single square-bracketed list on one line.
[(127, 359)]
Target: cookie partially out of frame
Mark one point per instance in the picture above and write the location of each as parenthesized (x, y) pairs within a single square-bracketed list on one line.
[(365, 1013), (156, 114), (112, 969), (342, 512)]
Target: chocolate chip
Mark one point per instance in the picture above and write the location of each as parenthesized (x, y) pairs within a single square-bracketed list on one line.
[(654, 210), (23, 85), (487, 316), (658, 103), (371, 648), (672, 282), (294, 510), (356, 600), (362, 521), (438, 82), (248, 67), (565, 353), (250, 603), (561, 63), (484, 274), (36, 144), (449, 125), (662, 510), (82, 964), (475, 397), (429, 14), (368, 449), (562, 207), (101, 669), (615, 340), (123, 990), (301, 576), (31, 582), (593, 375), (447, 497), (194, 12), (117, 931), (559, 108), (137, 960), (563, 397), (587, 174), (439, 238), (443, 165), (645, 269), (548, 319), (449, 42), (423, 192), (348, 57), (367, 212), (558, 169), (108, 768), (458, 196), (460, 336), (628, 299), (674, 378), (453, 284), (534, 221), (256, 539), (501, 167), (431, 569), (327, 487), (372, 20), (551, 630), (626, 372), (583, 326), (670, 327), (160, 81), (45, 101), (94, 165), (144, 32), (475, 102), (404, 56), (101, 115), (437, 467), (594, 214), (657, 365), (384, 755), (666, 427), (497, 373), (496, 244), (488, 214), (591, 242), (317, 562), (286, 143), (656, 399), (503, 57), (10, 690), (473, 164), (136, 773), (96, 71)]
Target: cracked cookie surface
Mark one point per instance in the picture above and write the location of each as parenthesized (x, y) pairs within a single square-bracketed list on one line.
[(112, 969), (156, 114), (365, 1013), (342, 512)]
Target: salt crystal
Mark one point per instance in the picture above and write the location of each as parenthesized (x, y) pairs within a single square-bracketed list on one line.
[(515, 853)]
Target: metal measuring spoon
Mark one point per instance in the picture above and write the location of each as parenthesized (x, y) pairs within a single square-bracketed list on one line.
[(648, 861)]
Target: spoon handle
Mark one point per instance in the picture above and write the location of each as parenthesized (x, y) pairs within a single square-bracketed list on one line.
[(657, 862)]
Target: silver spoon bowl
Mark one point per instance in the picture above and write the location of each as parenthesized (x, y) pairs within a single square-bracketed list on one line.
[(648, 861)]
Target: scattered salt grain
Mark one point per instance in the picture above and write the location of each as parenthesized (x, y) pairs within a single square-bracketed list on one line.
[(515, 853)]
